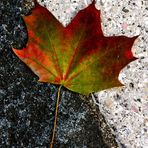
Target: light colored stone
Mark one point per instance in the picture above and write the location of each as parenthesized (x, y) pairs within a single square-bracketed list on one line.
[(65, 10), (129, 113)]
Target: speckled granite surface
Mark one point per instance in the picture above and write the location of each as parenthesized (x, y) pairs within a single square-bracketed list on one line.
[(124, 108), (27, 107)]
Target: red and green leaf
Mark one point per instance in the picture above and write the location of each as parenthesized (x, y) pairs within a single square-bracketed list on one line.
[(79, 56)]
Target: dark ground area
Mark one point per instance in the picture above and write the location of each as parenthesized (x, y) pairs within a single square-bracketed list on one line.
[(27, 107)]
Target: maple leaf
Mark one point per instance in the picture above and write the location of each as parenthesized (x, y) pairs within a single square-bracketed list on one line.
[(78, 56)]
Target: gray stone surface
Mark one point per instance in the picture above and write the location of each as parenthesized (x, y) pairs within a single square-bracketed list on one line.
[(27, 107)]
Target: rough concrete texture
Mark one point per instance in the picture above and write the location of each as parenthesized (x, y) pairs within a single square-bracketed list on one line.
[(65, 10), (27, 107), (124, 108)]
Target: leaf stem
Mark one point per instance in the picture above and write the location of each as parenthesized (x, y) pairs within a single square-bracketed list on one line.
[(56, 117)]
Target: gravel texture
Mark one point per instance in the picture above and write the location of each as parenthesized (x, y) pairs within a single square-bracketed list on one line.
[(12, 29), (27, 107), (125, 108)]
